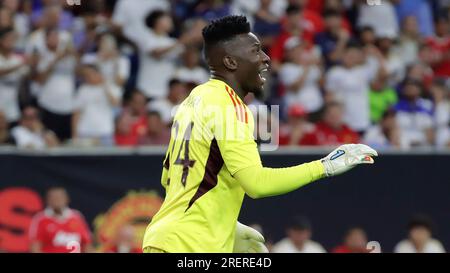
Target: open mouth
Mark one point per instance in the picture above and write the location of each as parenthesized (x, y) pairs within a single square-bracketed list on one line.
[(262, 73)]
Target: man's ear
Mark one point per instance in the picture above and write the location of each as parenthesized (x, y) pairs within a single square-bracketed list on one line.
[(230, 62)]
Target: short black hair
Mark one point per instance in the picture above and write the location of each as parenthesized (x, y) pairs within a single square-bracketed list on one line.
[(174, 81), (331, 13), (421, 220), (299, 222), (293, 9), (153, 17), (5, 30), (224, 29)]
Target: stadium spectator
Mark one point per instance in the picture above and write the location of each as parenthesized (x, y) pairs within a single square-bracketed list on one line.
[(349, 82), (132, 122), (409, 41), (157, 133), (421, 10), (385, 134), (381, 97), (129, 16), (52, 10), (125, 241), (266, 22), (166, 106), (5, 136), (191, 70), (366, 36), (59, 229), (114, 67), (333, 40), (31, 133), (12, 69), (414, 115), (297, 126), (20, 22), (298, 239), (95, 105), (56, 78), (291, 27), (301, 75), (441, 98), (369, 15), (355, 241), (393, 65), (331, 130), (438, 45), (420, 238), (158, 53)]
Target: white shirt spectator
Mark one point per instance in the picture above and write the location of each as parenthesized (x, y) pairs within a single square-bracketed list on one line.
[(155, 73), (111, 68), (57, 93), (351, 88), (369, 15), (308, 95), (197, 74), (286, 246), (432, 246), (9, 87), (96, 112), (26, 138), (131, 14), (250, 7), (413, 124), (37, 41)]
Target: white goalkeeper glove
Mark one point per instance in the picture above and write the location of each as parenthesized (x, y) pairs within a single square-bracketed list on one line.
[(347, 157), (248, 240)]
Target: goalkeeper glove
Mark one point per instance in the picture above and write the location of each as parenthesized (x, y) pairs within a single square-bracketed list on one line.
[(347, 157), (248, 240)]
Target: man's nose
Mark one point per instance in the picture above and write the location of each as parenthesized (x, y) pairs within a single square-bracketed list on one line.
[(265, 58)]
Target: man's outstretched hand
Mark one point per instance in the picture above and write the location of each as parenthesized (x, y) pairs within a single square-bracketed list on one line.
[(347, 157)]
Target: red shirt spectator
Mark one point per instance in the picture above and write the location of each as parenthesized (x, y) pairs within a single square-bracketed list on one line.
[(62, 233), (440, 48), (331, 130), (132, 123)]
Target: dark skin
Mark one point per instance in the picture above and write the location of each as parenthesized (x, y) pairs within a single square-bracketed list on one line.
[(240, 63)]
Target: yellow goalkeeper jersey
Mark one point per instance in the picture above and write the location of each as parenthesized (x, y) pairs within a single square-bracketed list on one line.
[(211, 140)]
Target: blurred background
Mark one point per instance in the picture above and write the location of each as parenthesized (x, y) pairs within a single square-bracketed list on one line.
[(88, 89)]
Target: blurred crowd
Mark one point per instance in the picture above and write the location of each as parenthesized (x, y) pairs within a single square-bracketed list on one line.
[(110, 72), (59, 228)]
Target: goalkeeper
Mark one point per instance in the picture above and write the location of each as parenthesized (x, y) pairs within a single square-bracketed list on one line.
[(205, 174)]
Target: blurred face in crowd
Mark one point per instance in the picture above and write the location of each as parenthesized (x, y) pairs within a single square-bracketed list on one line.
[(30, 118), (8, 41), (299, 236), (138, 103), (164, 24), (352, 57), (107, 46), (356, 239), (177, 92), (52, 40), (333, 116), (293, 20), (442, 27), (385, 44), (333, 23), (411, 91), (52, 16), (155, 124), (367, 36), (389, 122), (5, 18), (419, 235), (12, 5), (92, 76), (265, 4), (191, 58), (410, 25), (416, 71), (57, 199)]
